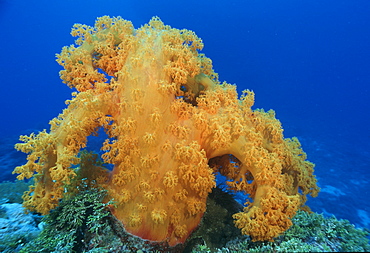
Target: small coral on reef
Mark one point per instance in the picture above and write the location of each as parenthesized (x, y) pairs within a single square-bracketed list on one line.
[(171, 126), (311, 232)]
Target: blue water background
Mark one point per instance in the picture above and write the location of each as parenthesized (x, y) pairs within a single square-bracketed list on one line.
[(308, 60)]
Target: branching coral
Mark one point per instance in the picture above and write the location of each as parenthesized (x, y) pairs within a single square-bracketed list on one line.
[(171, 126)]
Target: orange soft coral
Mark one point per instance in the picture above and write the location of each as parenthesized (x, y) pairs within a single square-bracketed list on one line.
[(171, 127)]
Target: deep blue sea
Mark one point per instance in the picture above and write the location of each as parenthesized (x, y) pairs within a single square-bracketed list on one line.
[(309, 60)]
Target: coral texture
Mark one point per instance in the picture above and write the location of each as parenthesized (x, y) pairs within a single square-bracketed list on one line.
[(171, 126)]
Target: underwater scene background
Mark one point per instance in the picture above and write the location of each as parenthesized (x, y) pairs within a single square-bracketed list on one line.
[(307, 60)]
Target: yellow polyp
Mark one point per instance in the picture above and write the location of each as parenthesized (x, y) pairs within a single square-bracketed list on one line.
[(138, 107), (181, 132), (137, 94), (181, 195), (158, 216), (141, 207), (166, 146), (149, 138), (200, 120), (120, 179), (156, 117), (180, 230), (149, 196), (143, 185), (182, 109), (149, 160), (135, 220), (195, 206), (159, 192), (175, 217), (153, 174), (202, 185), (124, 196), (167, 89), (129, 125), (170, 180)]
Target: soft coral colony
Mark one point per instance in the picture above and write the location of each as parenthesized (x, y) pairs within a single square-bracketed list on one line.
[(171, 126)]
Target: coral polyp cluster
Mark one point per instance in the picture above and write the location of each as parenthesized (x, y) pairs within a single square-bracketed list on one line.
[(171, 127)]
